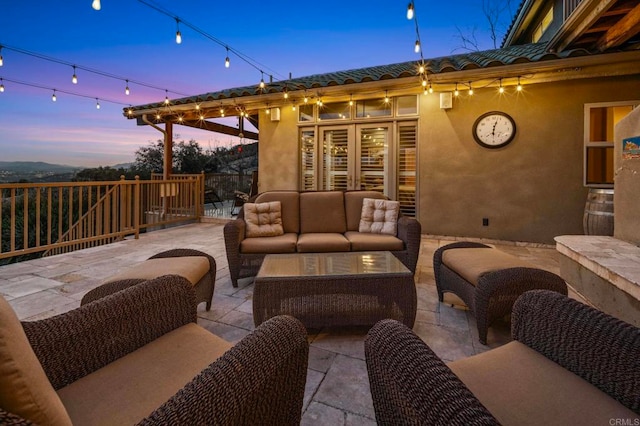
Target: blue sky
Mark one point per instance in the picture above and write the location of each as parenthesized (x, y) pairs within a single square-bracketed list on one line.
[(134, 41)]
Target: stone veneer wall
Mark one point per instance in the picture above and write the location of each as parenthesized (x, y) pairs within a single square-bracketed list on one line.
[(626, 199)]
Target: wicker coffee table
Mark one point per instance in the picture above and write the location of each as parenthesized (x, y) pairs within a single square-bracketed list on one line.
[(335, 289)]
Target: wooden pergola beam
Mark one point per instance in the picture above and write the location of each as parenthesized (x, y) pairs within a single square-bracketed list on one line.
[(621, 31), (220, 128)]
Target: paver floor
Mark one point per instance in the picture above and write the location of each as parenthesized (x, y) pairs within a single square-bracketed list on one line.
[(337, 390)]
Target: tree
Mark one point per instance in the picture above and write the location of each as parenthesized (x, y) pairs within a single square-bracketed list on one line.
[(149, 159), (494, 11)]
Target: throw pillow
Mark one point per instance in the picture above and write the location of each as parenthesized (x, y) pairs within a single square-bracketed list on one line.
[(379, 216), (263, 219)]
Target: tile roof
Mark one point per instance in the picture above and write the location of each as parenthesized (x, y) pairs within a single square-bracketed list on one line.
[(527, 53)]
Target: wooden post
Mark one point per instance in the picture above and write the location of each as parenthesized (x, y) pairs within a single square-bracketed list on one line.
[(168, 151)]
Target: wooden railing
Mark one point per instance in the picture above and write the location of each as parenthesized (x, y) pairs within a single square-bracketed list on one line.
[(52, 218)]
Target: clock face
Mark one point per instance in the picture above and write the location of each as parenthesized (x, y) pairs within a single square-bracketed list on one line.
[(494, 129)]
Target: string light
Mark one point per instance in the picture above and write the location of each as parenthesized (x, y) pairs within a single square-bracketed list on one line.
[(74, 78), (1, 58), (268, 110), (166, 98), (1, 86), (227, 62), (500, 89), (470, 89), (417, 47), (306, 98), (197, 107), (319, 102), (386, 98), (285, 93), (54, 97), (519, 86), (97, 104), (221, 111), (261, 80), (410, 11), (178, 34), (351, 100), (158, 116), (96, 5), (126, 89), (456, 92), (421, 69), (430, 88), (293, 107)]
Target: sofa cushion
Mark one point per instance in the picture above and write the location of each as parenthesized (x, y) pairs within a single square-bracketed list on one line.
[(263, 219), (25, 389), (290, 207), (192, 268), (379, 216), (472, 263), (322, 211), (373, 242), (522, 387), (353, 206), (161, 368), (281, 244), (322, 242)]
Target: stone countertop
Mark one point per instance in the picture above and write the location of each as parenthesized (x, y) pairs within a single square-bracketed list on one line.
[(614, 260)]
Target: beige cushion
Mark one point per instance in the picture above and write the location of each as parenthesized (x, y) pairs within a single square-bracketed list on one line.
[(263, 219), (361, 241), (130, 388), (322, 211), (520, 386), (353, 206), (25, 389), (379, 216), (323, 242), (281, 244), (192, 268), (290, 201), (472, 263)]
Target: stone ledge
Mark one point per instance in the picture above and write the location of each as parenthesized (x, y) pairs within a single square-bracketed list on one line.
[(613, 260)]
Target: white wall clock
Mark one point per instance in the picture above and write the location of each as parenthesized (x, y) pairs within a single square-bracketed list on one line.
[(494, 129)]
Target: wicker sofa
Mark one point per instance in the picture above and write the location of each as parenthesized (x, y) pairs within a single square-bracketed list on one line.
[(317, 221), (110, 362), (568, 364)]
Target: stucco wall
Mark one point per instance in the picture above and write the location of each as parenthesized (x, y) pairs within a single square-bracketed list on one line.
[(626, 199), (530, 190)]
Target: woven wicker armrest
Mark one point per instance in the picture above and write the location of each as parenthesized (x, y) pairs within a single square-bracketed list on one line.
[(183, 252), (260, 380), (10, 419), (409, 230), (597, 347), (410, 385), (76, 343), (234, 232)]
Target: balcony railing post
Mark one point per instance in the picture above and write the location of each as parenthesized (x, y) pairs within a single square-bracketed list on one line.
[(136, 209)]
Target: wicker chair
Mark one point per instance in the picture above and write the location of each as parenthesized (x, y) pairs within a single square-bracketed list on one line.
[(260, 380), (411, 385)]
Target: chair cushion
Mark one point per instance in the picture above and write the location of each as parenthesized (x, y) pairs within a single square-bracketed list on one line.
[(379, 216), (192, 268), (472, 263), (25, 389), (281, 244), (130, 388), (373, 242), (263, 219), (520, 386), (290, 205), (322, 211), (353, 206), (323, 242)]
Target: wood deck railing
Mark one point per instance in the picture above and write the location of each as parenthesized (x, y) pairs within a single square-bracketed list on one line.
[(52, 218)]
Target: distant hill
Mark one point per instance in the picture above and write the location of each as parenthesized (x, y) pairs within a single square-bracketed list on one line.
[(35, 166)]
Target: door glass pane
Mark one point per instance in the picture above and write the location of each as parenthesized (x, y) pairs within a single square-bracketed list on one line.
[(335, 164), (308, 160), (373, 159), (407, 169)]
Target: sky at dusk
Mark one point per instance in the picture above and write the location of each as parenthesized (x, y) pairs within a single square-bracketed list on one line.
[(131, 40)]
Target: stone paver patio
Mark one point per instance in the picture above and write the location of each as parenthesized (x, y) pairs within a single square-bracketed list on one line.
[(337, 390)]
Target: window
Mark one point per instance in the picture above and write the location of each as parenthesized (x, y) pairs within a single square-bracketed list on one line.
[(542, 26), (308, 159), (600, 120), (334, 111), (305, 113), (373, 108), (407, 105)]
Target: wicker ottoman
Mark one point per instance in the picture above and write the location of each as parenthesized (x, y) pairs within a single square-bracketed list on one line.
[(488, 280), (196, 266)]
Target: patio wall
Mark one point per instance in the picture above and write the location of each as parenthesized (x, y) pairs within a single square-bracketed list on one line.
[(627, 183), (530, 190)]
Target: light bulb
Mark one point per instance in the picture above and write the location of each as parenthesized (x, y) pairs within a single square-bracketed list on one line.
[(410, 11), (456, 92), (54, 97), (126, 90), (129, 111), (417, 47), (293, 107), (96, 5), (519, 86), (267, 111), (1, 61), (97, 104), (197, 107), (74, 79), (262, 83), (158, 117), (386, 98), (501, 89), (226, 60), (178, 37), (201, 117), (470, 89), (430, 88), (421, 69), (424, 83), (1, 87), (286, 95)]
